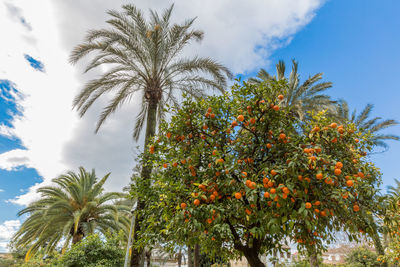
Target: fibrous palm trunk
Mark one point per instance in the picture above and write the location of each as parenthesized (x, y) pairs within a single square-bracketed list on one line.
[(151, 123), (190, 259)]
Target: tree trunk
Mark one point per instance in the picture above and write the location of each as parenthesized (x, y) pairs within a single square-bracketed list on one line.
[(148, 258), (77, 237), (197, 255), (314, 260), (377, 240), (252, 258), (190, 259), (179, 258), (151, 123)]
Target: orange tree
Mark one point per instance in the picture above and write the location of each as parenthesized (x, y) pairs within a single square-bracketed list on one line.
[(240, 175)]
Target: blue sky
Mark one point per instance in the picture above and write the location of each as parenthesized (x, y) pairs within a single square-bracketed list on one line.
[(354, 43)]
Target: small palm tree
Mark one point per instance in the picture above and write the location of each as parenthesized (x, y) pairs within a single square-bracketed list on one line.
[(75, 207), (366, 124), (302, 98)]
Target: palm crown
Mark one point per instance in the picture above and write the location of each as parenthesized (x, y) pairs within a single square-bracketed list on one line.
[(70, 210), (304, 97), (367, 124), (144, 57)]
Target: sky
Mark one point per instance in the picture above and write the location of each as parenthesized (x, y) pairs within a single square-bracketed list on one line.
[(354, 43)]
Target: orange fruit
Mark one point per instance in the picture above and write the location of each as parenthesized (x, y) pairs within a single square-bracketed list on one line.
[(175, 164), (205, 127), (196, 202), (308, 205), (244, 174), (282, 136), (339, 165), (349, 183), (300, 178), (165, 165), (234, 123), (333, 125), (238, 195), (183, 161), (317, 203), (248, 211), (319, 176), (151, 149), (269, 145), (253, 185), (280, 97), (183, 205), (337, 172), (334, 140), (266, 195), (276, 108), (168, 135), (273, 172), (240, 118), (273, 190), (212, 197), (356, 140), (356, 208), (323, 213), (285, 190), (252, 120), (360, 174)]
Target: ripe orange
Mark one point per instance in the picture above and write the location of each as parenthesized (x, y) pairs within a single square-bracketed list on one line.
[(252, 120), (339, 165), (284, 196), (282, 136), (276, 108), (205, 127), (337, 172), (319, 176), (361, 175), (308, 205), (248, 183), (183, 161), (212, 197), (151, 149), (269, 145), (349, 183), (273, 190), (175, 164), (238, 195), (273, 172), (317, 203), (280, 97), (285, 190), (248, 211), (244, 174), (240, 118), (323, 213), (168, 135), (266, 195), (334, 140), (209, 109), (333, 125), (234, 123), (356, 140), (196, 202), (253, 185), (356, 208), (183, 205), (165, 165), (300, 178), (316, 210)]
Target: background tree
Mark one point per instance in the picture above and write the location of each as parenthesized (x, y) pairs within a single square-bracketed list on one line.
[(75, 207), (145, 61), (239, 174), (302, 98), (362, 257), (366, 124)]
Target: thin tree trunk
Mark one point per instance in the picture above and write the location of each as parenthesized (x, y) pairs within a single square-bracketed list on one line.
[(190, 259), (253, 258), (377, 240), (151, 123), (314, 260), (197, 255), (148, 258), (179, 258)]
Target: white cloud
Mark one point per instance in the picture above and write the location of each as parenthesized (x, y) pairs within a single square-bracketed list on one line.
[(1, 190), (240, 34), (7, 230)]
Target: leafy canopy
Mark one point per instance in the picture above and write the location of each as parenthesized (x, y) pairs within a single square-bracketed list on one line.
[(239, 174)]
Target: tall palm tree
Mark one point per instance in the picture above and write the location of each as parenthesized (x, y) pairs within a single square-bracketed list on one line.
[(366, 124), (75, 207), (144, 60), (301, 97)]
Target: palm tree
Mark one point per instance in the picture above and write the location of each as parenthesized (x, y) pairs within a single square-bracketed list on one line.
[(75, 207), (365, 124), (144, 60), (303, 97)]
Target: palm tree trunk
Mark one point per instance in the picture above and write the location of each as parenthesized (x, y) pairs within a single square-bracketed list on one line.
[(77, 237), (151, 123), (179, 258), (190, 259), (197, 255)]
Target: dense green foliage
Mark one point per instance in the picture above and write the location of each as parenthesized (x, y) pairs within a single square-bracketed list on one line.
[(75, 207), (93, 251), (362, 257)]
